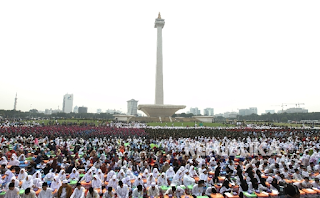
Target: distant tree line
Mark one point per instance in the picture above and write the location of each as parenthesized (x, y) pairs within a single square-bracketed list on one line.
[(282, 117), (10, 114)]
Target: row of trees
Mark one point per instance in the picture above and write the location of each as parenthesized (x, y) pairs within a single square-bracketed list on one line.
[(281, 117), (11, 114)]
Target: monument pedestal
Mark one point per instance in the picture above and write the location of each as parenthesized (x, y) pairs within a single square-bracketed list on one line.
[(157, 110)]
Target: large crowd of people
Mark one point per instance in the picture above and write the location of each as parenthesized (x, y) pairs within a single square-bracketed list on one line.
[(114, 161)]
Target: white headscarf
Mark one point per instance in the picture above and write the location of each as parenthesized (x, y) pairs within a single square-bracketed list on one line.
[(74, 174), (62, 175), (56, 183), (37, 175), (22, 175), (37, 182), (96, 182), (3, 161), (16, 182), (27, 183), (170, 172), (100, 175)]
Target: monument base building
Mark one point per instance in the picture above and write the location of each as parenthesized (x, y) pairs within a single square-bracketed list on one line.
[(154, 110)]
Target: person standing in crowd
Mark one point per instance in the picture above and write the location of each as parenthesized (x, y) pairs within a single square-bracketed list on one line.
[(65, 191)]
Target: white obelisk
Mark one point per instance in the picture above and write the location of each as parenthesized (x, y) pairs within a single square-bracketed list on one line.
[(159, 23)]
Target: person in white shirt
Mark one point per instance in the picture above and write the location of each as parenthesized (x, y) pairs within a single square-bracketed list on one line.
[(306, 183), (316, 183), (28, 193), (162, 180), (13, 192), (137, 192), (297, 175), (92, 193), (45, 192), (197, 189), (153, 190), (211, 190), (122, 190), (187, 180), (78, 192)]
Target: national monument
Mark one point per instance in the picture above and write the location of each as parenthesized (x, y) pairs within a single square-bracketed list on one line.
[(159, 109)]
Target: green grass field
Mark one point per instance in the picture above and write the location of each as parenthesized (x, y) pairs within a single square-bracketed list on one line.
[(69, 120), (190, 124)]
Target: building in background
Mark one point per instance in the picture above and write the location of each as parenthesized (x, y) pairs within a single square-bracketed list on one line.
[(245, 112), (83, 109), (270, 111), (99, 111), (67, 103), (195, 111), (208, 112), (232, 114), (113, 111), (75, 109), (296, 110), (132, 107)]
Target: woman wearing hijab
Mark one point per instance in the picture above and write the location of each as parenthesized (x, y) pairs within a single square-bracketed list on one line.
[(49, 176), (155, 173), (127, 181), (138, 181), (110, 175), (62, 175), (74, 175), (150, 180), (192, 172), (170, 173), (37, 174), (87, 177), (3, 161), (187, 180), (14, 162), (130, 174), (96, 182), (22, 175), (145, 173), (27, 183), (162, 180), (13, 180), (121, 175), (37, 183), (56, 183), (22, 158), (113, 182)]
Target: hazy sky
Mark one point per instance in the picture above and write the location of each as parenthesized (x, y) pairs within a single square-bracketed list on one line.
[(221, 54)]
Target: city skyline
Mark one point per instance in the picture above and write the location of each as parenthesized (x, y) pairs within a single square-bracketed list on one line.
[(246, 57)]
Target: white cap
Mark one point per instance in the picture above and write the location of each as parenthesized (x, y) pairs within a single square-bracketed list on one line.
[(65, 181), (153, 184)]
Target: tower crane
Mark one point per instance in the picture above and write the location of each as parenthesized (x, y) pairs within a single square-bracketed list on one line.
[(284, 105), (298, 105)]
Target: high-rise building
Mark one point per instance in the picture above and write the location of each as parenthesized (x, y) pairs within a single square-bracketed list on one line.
[(67, 103), (132, 106), (99, 111), (245, 112), (195, 111), (208, 112), (83, 110), (75, 109)]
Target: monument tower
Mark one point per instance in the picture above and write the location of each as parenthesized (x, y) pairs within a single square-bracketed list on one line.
[(15, 103), (159, 109), (159, 24)]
